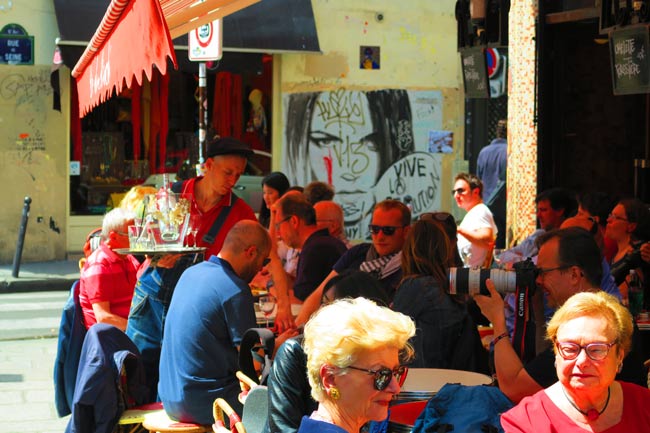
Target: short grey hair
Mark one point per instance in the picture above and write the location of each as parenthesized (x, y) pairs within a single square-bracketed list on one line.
[(117, 220)]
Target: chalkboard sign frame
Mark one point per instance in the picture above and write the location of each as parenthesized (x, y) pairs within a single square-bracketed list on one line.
[(478, 65), (641, 60)]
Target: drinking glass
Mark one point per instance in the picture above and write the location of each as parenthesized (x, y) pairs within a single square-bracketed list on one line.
[(267, 305)]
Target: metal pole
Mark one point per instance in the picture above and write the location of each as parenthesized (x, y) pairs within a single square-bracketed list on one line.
[(203, 115), (21, 237)]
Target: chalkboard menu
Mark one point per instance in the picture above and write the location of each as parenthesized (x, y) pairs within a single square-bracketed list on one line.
[(628, 49), (475, 77)]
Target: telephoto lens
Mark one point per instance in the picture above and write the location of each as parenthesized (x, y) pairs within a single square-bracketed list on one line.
[(472, 281)]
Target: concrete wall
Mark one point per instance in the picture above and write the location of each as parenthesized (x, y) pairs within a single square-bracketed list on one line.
[(33, 141), (379, 129)]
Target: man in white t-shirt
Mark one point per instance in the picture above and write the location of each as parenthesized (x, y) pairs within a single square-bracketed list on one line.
[(477, 231)]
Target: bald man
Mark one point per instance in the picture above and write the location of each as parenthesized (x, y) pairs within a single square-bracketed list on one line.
[(329, 215), (211, 309)]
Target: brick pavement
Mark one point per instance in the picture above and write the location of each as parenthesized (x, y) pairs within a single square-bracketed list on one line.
[(26, 387)]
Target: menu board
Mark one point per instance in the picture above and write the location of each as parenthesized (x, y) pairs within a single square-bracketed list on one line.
[(475, 77), (628, 50)]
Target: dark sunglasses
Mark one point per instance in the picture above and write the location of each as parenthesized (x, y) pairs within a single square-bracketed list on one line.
[(384, 375), (388, 230), (440, 216), (459, 191)]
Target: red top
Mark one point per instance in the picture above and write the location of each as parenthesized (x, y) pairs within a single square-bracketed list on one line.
[(107, 277), (539, 414), (240, 211)]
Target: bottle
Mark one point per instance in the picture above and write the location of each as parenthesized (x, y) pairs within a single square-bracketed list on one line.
[(635, 293)]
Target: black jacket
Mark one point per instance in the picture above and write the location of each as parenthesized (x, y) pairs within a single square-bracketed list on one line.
[(289, 390)]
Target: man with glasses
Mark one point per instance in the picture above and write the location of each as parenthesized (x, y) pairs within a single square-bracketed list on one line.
[(477, 231), (295, 223), (382, 258), (569, 262)]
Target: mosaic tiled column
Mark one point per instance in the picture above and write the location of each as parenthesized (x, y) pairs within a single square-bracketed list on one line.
[(522, 130)]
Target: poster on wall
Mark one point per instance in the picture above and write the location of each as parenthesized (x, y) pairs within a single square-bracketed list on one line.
[(370, 145)]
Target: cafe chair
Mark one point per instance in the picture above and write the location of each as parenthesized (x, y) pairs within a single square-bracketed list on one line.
[(246, 384), (255, 415), (257, 344)]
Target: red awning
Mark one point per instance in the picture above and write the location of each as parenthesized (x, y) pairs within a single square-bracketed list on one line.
[(135, 35), (132, 38)]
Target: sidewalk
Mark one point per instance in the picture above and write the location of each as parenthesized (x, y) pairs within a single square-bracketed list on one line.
[(39, 276)]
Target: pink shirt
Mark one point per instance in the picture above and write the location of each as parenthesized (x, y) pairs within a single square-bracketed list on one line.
[(107, 277), (539, 414)]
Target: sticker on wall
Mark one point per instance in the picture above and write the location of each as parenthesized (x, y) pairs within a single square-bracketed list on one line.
[(441, 141), (369, 57)]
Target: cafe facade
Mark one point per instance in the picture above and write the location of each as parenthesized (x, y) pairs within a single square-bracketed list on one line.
[(369, 60), (354, 65)]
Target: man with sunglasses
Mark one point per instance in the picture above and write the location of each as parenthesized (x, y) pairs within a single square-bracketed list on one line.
[(477, 231), (211, 310), (569, 262), (391, 220)]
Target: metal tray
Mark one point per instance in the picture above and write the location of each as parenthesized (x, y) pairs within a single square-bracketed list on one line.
[(162, 250)]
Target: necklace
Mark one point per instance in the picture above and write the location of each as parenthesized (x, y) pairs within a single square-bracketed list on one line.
[(592, 414)]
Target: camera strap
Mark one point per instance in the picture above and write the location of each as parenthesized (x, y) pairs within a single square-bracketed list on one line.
[(523, 338)]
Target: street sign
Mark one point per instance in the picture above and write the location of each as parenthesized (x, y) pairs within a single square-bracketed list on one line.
[(16, 46), (205, 42)]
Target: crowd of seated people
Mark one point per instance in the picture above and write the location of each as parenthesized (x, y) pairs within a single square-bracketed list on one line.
[(317, 381)]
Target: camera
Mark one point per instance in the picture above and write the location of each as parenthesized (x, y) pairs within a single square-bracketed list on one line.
[(631, 260), (472, 281)]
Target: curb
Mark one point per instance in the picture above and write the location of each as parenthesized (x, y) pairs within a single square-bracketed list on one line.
[(36, 285)]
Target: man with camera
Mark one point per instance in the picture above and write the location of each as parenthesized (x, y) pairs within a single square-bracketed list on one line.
[(568, 262)]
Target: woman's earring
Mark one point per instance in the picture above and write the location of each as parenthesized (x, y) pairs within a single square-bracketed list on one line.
[(335, 394), (620, 367)]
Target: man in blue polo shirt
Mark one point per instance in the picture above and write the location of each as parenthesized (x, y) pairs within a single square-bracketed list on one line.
[(211, 309)]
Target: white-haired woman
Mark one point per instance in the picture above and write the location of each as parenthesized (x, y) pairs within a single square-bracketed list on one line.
[(355, 354)]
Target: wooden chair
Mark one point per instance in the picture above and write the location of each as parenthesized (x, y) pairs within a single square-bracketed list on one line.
[(160, 422), (220, 407), (255, 414)]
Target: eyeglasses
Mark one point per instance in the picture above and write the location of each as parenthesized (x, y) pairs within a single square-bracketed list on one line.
[(384, 375), (459, 191), (595, 351), (542, 271), (616, 217), (278, 224), (388, 230)]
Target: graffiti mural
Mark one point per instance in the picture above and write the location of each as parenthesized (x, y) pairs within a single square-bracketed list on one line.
[(369, 145)]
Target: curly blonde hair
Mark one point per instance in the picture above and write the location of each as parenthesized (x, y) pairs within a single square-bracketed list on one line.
[(339, 332)]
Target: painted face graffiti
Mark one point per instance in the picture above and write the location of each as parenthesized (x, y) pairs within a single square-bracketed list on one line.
[(343, 143)]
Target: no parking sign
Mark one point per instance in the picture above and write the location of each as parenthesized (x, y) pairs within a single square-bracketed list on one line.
[(205, 42)]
